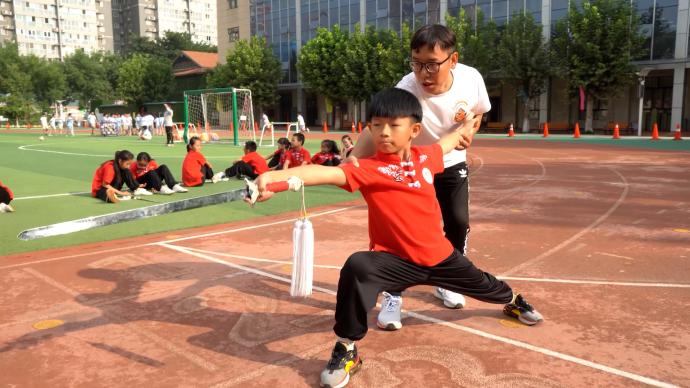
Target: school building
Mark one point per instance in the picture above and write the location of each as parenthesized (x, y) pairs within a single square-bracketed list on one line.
[(289, 24)]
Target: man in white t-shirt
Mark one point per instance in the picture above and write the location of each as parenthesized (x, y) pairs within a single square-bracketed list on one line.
[(44, 124), (168, 123), (446, 90), (301, 126), (265, 122)]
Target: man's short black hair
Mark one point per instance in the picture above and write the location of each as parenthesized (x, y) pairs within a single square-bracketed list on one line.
[(394, 102), (299, 137), (250, 146), (433, 35)]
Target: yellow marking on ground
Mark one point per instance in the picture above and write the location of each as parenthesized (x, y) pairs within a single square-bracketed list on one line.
[(516, 210), (48, 324), (286, 268), (511, 324), (681, 230)]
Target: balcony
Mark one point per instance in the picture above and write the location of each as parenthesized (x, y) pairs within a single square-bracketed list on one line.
[(7, 12), (151, 18)]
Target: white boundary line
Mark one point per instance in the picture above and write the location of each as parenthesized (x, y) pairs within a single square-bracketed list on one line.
[(505, 340), (24, 148), (52, 195)]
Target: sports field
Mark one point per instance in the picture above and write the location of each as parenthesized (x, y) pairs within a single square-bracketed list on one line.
[(595, 232)]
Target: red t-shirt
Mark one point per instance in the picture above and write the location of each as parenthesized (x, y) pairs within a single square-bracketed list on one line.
[(404, 215), (8, 190), (104, 175), (296, 158), (138, 171), (191, 168), (256, 161), (323, 157)]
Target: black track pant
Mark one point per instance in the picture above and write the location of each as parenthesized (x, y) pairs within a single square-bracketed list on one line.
[(169, 135), (206, 173), (275, 161), (366, 274), (154, 179), (241, 168), (125, 178), (4, 196), (453, 196)]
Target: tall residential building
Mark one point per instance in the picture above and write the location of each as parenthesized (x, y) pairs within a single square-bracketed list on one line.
[(289, 24), (233, 25), (152, 18), (56, 28)]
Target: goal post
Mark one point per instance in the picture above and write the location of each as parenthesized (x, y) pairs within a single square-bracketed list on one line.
[(219, 114)]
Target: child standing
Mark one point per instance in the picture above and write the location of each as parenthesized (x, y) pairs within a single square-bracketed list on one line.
[(70, 124), (148, 173), (251, 165), (297, 155), (44, 124), (329, 155), (168, 123), (266, 123), (407, 243), (195, 168), (112, 175), (6, 196), (277, 159), (301, 126)]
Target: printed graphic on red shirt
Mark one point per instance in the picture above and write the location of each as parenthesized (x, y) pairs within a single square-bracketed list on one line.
[(296, 158)]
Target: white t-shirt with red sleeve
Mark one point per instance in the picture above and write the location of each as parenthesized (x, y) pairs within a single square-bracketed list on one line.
[(404, 215), (439, 109)]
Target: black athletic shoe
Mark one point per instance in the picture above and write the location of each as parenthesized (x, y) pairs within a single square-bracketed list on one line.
[(523, 311), (342, 364)]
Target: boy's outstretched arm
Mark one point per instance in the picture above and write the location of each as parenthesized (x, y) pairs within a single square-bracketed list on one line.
[(460, 136), (310, 175)]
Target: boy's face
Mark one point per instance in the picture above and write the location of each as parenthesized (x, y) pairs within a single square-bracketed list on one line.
[(393, 134), (295, 142), (440, 81), (142, 164)]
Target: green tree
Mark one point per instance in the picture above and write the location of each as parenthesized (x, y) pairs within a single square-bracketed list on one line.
[(525, 60), (87, 78), (251, 65), (321, 63), (594, 47), (475, 41), (144, 78), (169, 46)]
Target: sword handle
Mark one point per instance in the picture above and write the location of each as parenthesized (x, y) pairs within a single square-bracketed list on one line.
[(277, 187)]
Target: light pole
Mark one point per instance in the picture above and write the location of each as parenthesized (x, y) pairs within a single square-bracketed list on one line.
[(640, 94)]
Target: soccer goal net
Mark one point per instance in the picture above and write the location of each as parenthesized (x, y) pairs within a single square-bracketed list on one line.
[(219, 115)]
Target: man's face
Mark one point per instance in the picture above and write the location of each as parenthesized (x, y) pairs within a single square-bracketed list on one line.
[(440, 81), (392, 134)]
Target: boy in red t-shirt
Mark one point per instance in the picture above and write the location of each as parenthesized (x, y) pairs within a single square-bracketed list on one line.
[(6, 196), (407, 243), (251, 165), (297, 155)]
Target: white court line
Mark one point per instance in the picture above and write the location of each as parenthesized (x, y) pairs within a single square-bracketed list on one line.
[(53, 195), (587, 229), (24, 148), (514, 278), (426, 318)]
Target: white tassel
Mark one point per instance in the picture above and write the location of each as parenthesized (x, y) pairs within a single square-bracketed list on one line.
[(302, 258)]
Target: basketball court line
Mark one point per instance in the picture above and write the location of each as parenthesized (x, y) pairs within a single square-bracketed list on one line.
[(52, 195), (426, 318)]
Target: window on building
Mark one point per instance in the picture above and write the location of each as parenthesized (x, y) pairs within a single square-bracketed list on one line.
[(234, 34), (601, 109), (232, 4), (33, 18)]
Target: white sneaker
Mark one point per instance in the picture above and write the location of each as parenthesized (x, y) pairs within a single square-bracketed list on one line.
[(179, 189), (218, 177), (5, 208), (165, 190), (450, 299), (389, 316), (142, 191), (124, 198)]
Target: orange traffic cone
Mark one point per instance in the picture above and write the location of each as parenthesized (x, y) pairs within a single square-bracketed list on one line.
[(359, 127), (353, 127), (28, 125), (511, 131), (7, 125), (325, 127), (655, 132), (576, 134), (616, 132), (677, 134), (256, 127), (546, 130)]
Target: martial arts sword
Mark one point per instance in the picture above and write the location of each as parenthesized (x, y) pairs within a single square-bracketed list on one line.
[(250, 192)]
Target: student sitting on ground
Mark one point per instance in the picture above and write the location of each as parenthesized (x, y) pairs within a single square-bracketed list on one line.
[(6, 196), (329, 155), (348, 146), (112, 175), (297, 155), (251, 165), (148, 173), (277, 158), (195, 168)]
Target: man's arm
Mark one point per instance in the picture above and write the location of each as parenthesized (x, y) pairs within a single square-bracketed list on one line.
[(310, 175)]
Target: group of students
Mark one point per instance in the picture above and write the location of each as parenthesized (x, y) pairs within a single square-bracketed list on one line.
[(57, 124)]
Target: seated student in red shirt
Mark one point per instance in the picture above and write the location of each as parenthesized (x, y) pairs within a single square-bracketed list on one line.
[(251, 165), (277, 159), (407, 243), (195, 168), (297, 155), (329, 155), (6, 196), (112, 175), (148, 173)]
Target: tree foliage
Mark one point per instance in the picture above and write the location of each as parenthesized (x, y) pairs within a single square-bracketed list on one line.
[(87, 78), (251, 65), (169, 46), (475, 43), (321, 63), (143, 78)]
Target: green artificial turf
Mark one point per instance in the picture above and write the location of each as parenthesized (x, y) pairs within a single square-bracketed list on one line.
[(70, 166)]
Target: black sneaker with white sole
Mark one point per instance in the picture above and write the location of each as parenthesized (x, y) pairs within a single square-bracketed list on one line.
[(523, 311), (342, 364)]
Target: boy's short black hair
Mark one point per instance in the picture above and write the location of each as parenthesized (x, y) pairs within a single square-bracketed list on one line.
[(250, 146), (433, 35), (299, 137), (284, 141), (394, 102)]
